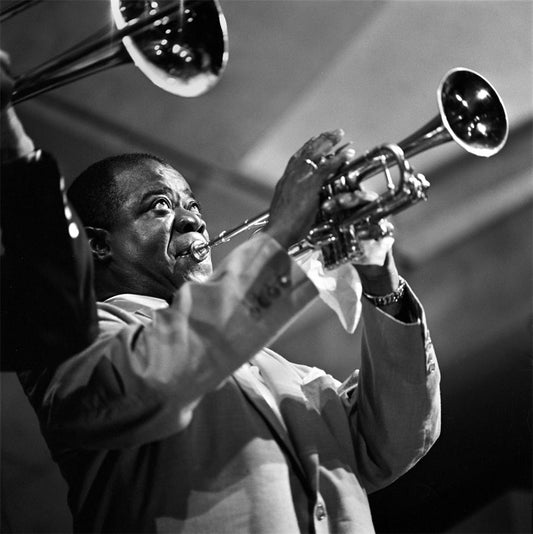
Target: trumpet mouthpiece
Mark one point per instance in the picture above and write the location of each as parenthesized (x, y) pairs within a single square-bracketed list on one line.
[(199, 250)]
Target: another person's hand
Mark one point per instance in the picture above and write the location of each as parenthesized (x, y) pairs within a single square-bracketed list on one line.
[(14, 142), (296, 202), (6, 80)]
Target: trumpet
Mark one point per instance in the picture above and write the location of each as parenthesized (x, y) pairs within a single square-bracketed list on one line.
[(471, 113), (180, 45)]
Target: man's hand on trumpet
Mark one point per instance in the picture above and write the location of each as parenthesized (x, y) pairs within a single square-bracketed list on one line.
[(295, 203), (375, 264), (376, 239)]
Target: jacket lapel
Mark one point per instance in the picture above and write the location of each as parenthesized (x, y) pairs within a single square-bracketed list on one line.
[(245, 380), (302, 420)]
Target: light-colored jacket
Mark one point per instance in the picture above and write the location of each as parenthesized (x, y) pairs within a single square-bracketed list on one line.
[(159, 426)]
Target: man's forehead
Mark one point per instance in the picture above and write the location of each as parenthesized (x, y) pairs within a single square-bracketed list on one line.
[(151, 175)]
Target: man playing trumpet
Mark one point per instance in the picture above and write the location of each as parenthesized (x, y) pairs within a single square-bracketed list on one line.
[(177, 419)]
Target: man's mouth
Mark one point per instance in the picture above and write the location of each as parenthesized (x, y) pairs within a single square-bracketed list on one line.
[(186, 244)]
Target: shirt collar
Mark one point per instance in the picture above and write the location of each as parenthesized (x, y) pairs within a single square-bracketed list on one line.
[(153, 303)]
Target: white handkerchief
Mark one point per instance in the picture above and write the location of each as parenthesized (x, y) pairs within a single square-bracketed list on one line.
[(339, 288)]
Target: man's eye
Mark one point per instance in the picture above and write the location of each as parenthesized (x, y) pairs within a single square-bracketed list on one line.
[(195, 207), (162, 204)]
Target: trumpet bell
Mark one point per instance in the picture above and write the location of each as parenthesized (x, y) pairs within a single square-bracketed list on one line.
[(472, 112), (183, 53)]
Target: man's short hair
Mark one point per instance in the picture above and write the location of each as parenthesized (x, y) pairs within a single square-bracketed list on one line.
[(94, 193)]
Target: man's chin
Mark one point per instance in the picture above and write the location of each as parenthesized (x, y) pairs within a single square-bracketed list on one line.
[(199, 276), (194, 272)]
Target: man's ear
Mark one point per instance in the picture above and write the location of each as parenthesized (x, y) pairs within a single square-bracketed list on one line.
[(99, 243)]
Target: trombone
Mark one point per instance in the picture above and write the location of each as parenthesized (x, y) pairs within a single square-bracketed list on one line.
[(471, 113), (180, 45)]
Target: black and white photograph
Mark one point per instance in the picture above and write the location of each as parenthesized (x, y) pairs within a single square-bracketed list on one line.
[(266, 266)]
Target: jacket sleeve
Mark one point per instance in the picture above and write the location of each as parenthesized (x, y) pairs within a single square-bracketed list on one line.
[(394, 403), (48, 306), (141, 382)]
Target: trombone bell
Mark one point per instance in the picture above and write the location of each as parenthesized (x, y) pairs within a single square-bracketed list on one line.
[(183, 53), (180, 45)]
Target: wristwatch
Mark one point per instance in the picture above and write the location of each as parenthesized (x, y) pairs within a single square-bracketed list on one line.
[(389, 298)]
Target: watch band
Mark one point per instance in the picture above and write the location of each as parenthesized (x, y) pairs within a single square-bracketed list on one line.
[(389, 298)]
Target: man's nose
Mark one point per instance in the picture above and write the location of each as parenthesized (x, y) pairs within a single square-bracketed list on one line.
[(188, 221)]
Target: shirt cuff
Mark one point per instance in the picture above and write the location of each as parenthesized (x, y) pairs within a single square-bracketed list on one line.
[(338, 288)]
